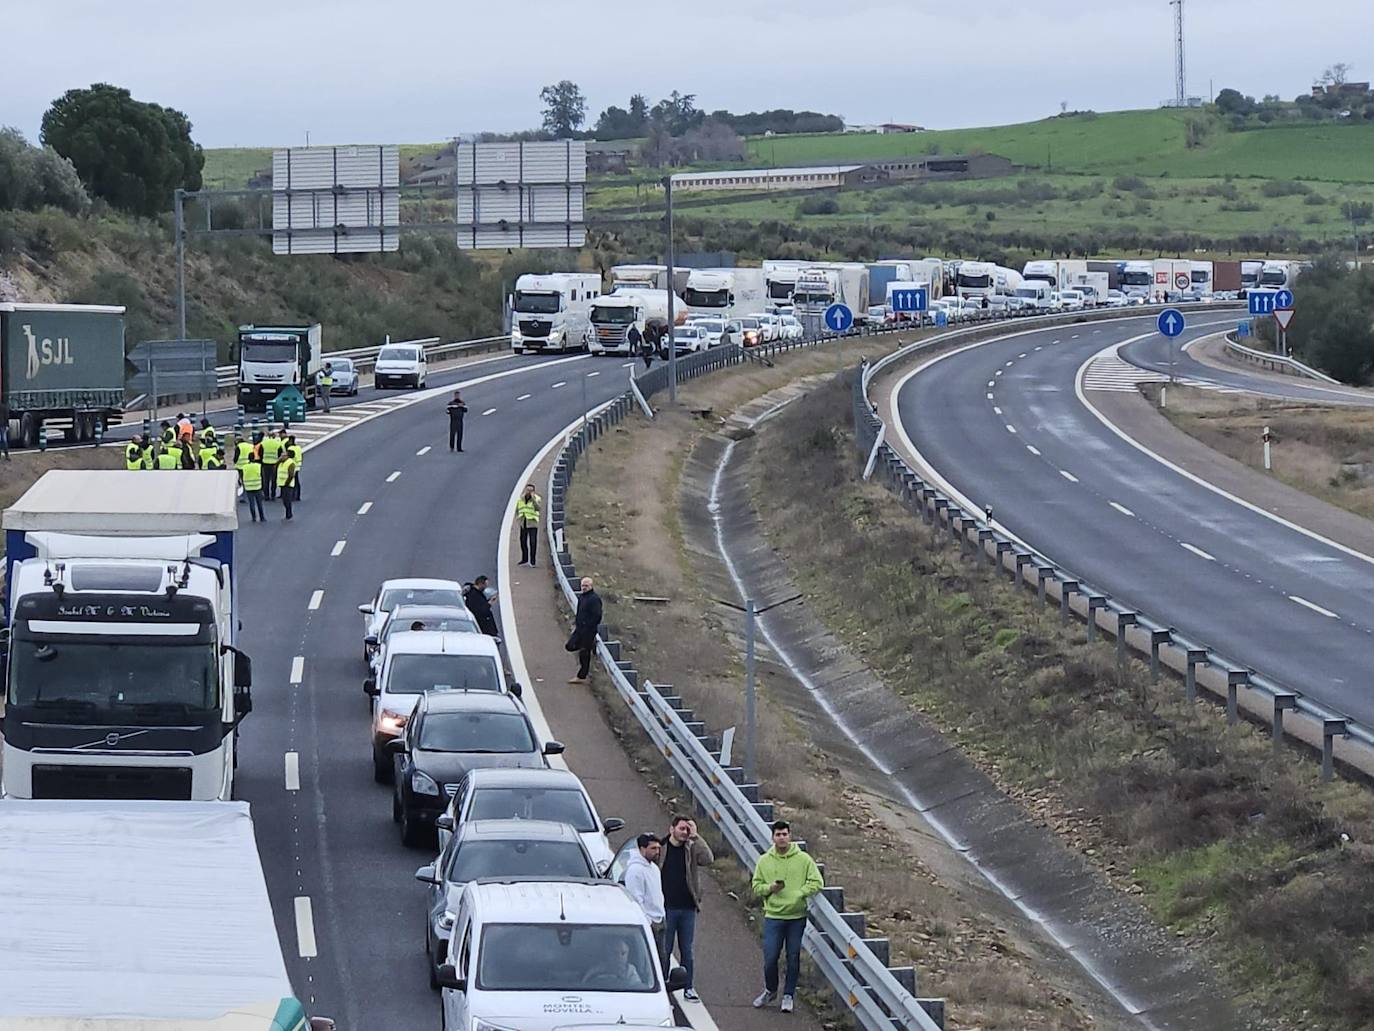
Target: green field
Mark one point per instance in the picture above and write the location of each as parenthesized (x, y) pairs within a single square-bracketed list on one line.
[(230, 168)]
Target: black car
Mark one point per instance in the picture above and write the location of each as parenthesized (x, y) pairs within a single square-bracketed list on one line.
[(450, 733)]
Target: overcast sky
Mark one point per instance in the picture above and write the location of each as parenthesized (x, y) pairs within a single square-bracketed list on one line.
[(256, 73)]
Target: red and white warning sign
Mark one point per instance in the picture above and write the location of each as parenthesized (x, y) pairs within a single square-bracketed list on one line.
[(1182, 280)]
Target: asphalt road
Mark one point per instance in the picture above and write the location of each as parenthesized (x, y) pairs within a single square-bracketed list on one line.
[(332, 841), (1003, 423)]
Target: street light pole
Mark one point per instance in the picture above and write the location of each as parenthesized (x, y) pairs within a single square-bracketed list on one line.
[(672, 344)]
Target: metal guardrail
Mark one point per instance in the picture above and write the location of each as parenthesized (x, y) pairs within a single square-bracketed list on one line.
[(875, 994), (366, 357), (1276, 362), (1151, 634)]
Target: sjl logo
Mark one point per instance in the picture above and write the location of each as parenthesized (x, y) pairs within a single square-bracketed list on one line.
[(47, 351)]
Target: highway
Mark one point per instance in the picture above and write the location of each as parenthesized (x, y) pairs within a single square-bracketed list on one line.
[(342, 886), (1007, 424)]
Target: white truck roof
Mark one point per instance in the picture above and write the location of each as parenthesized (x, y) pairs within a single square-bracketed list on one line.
[(130, 913), (110, 502)]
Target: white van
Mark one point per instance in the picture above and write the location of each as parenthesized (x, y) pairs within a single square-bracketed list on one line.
[(400, 365), (539, 955)]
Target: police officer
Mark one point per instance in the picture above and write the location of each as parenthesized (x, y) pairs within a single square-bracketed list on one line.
[(457, 409), (272, 447), (149, 453), (326, 386), (133, 454)]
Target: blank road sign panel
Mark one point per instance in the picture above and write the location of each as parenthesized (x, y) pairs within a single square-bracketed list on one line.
[(333, 200), (521, 194)]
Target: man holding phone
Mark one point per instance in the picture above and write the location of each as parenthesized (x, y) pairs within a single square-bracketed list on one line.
[(785, 877)]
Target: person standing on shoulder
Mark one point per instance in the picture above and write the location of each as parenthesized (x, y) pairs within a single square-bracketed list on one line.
[(785, 878), (479, 604), (585, 625), (252, 486), (271, 455), (456, 410), (206, 455), (326, 385), (635, 341), (170, 456), (527, 515), (168, 434), (5, 429), (133, 453), (644, 882), (216, 459), (208, 436), (681, 859)]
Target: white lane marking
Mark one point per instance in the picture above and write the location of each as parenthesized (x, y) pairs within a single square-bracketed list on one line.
[(423, 451), (1068, 475), (992, 383), (490, 411), (995, 409), (1196, 551), (1010, 363), (998, 373), (305, 928), (1052, 342), (315, 600), (366, 508), (1011, 428), (394, 476), (297, 669), (1074, 337), (338, 549), (524, 397), (1033, 449), (591, 374), (1021, 355), (1315, 608), (989, 397), (1121, 508), (293, 771), (628, 365), (1037, 348), (560, 383)]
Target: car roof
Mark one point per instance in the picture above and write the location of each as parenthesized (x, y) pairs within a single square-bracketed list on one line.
[(440, 611), (470, 701), (441, 642), (539, 901), (517, 830), (515, 778), (401, 583)]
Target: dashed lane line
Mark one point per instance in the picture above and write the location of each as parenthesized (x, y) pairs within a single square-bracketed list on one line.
[(338, 549), (591, 374), (1068, 475), (560, 383), (315, 600), (1011, 428), (1121, 508), (524, 397), (1313, 606), (1033, 450), (365, 508), (490, 411), (293, 771), (305, 928), (394, 476), (423, 451), (298, 669), (1196, 551)]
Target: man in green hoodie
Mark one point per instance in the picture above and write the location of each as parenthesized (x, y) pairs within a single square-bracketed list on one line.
[(784, 877)]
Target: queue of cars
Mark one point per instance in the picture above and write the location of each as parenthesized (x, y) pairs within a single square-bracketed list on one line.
[(522, 912)]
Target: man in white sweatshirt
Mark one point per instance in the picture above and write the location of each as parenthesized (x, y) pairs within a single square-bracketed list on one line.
[(644, 882)]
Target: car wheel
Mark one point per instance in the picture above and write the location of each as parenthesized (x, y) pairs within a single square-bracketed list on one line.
[(381, 767)]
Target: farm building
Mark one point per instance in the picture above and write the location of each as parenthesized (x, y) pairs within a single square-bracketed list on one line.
[(807, 177)]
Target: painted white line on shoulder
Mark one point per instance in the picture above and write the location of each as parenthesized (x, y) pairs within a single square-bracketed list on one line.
[(591, 374), (305, 928), (298, 669), (315, 600), (490, 411), (365, 508), (1068, 475), (1033, 449), (338, 549), (560, 383), (992, 383), (1021, 355), (1195, 550), (423, 451), (394, 476), (1011, 428), (1054, 341), (1121, 508), (995, 409), (524, 397), (989, 397), (1315, 608), (293, 771)]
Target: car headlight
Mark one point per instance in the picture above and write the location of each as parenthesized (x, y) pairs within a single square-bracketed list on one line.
[(391, 722), (423, 784)]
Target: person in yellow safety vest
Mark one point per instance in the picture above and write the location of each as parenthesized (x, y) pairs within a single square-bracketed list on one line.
[(294, 450), (149, 453), (272, 446), (286, 481), (215, 460), (169, 457), (242, 449), (133, 454), (527, 518), (206, 455), (252, 488), (168, 435), (208, 436), (326, 386)]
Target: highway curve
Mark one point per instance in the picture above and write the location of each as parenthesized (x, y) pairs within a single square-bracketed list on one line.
[(1005, 425)]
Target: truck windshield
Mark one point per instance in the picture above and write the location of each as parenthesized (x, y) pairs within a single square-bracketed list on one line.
[(1273, 277), (706, 298), (1044, 277), (779, 289), (1201, 275), (1027, 291), (268, 350), (975, 282), (1137, 278), (114, 683), (537, 304), (613, 315), (810, 298), (565, 957)]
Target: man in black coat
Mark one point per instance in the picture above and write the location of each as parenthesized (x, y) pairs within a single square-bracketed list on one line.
[(480, 606), (583, 639), (456, 408)]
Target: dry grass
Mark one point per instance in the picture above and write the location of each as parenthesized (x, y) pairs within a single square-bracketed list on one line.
[(1243, 852), (1327, 452), (27, 466)]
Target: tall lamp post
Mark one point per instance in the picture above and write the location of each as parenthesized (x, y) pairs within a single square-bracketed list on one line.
[(672, 343)]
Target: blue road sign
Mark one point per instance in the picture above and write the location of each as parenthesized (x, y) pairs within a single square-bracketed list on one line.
[(909, 300), (838, 318), (1262, 302), (941, 318), (1283, 299), (1170, 322), (1242, 329)]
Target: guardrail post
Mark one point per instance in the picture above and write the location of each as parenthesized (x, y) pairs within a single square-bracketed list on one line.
[(983, 537), (1042, 573), (941, 505), (1067, 589), (1001, 549), (1123, 620), (43, 437), (1157, 638), (1023, 558), (1095, 602), (1235, 680), (1195, 657), (1284, 701), (1331, 729)]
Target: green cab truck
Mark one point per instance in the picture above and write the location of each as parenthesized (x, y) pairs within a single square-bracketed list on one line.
[(62, 365)]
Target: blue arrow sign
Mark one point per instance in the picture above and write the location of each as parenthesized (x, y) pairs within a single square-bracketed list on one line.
[(1262, 301), (1242, 329), (838, 318), (909, 300), (942, 318), (1283, 299), (1170, 322)]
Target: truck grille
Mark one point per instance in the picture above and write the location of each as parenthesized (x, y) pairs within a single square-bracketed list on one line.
[(534, 329), (123, 782), (614, 335)]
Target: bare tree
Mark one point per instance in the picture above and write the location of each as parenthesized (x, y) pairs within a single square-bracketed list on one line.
[(1337, 74)]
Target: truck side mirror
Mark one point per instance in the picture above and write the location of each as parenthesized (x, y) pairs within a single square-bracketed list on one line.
[(243, 671)]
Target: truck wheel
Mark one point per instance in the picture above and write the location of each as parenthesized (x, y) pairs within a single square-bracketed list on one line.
[(28, 429)]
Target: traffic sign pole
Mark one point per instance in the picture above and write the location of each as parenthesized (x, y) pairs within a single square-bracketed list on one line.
[(1171, 324)]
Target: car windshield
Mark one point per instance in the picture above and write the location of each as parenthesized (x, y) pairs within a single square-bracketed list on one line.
[(557, 805), (490, 733), (750, 323), (565, 958), (686, 331), (416, 674), (536, 304), (975, 282), (1027, 291), (712, 325), (420, 596), (517, 858), (342, 364), (398, 354), (118, 681)]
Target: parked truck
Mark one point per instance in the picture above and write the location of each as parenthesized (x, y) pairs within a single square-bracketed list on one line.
[(272, 358), (1203, 281), (613, 314), (648, 277), (1173, 278), (1279, 275), (123, 678), (1093, 285), (1113, 269), (1058, 273), (1226, 277), (820, 285), (137, 915), (61, 365), (982, 279), (552, 312), (1250, 270), (726, 293), (1138, 280), (780, 281)]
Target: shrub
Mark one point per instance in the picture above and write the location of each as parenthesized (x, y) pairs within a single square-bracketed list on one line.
[(1284, 188), (37, 177), (1132, 184), (818, 206)]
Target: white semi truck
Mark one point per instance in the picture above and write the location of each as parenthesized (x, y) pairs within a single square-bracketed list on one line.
[(552, 312), (272, 358), (780, 281), (979, 279), (139, 916), (1202, 277), (725, 293), (648, 277), (1279, 275), (123, 679), (1250, 271), (613, 314), (838, 282), (1138, 280), (1056, 272)]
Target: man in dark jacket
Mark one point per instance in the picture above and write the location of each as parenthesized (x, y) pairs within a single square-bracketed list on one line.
[(682, 857), (480, 606), (456, 410), (583, 640)]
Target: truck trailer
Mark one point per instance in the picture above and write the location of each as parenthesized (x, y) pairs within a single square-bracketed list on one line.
[(613, 314), (62, 364), (139, 916), (123, 678), (272, 358)]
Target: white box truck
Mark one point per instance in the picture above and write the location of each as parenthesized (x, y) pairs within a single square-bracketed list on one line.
[(822, 284), (1173, 277), (780, 282), (648, 277), (1201, 273), (552, 312), (139, 916), (613, 314), (1057, 272), (123, 679), (1279, 275), (272, 358), (979, 279), (1093, 286), (725, 293)]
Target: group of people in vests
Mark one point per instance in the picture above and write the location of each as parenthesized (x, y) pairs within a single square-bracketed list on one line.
[(178, 446)]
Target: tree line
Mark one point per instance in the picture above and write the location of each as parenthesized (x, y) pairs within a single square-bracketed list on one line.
[(1334, 99)]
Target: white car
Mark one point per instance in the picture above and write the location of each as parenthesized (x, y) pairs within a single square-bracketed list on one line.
[(409, 590), (419, 618), (1116, 299), (416, 663), (400, 365), (877, 313), (791, 328), (712, 327), (1071, 300), (689, 337)]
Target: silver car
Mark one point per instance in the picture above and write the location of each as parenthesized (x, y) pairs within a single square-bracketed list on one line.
[(345, 376), (411, 590), (422, 618)]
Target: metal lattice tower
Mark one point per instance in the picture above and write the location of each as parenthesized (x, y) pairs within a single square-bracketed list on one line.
[(1180, 65)]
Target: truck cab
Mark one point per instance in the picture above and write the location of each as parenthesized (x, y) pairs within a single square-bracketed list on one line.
[(272, 358), (551, 312)]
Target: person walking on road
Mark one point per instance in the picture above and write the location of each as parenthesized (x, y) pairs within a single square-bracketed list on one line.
[(479, 604), (681, 858), (271, 454), (326, 385), (527, 515), (252, 473), (644, 882), (456, 409), (286, 481), (635, 340), (585, 624), (785, 878)]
